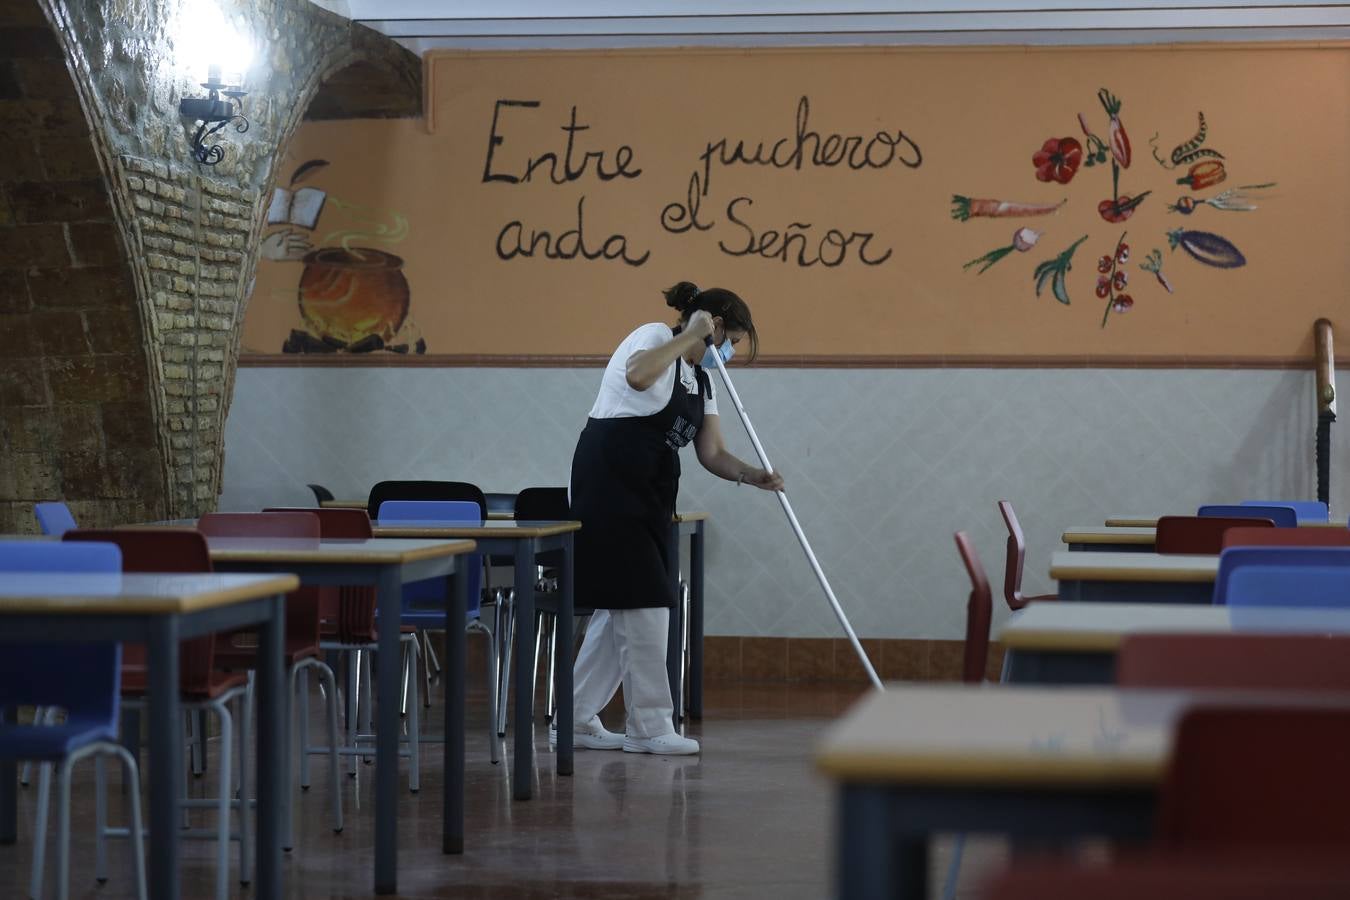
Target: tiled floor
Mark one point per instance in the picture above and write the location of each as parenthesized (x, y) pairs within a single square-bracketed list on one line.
[(747, 819)]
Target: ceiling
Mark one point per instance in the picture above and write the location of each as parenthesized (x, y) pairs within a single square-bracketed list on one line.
[(422, 25)]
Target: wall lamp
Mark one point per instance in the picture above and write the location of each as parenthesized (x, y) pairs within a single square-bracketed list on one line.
[(213, 114)]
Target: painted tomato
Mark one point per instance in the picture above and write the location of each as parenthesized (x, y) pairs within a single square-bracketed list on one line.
[(1058, 160)]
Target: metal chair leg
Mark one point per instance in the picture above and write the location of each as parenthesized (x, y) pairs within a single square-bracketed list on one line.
[(40, 829), (100, 821), (245, 729), (494, 742), (366, 707), (414, 727), (63, 830), (427, 654), (223, 803), (549, 699), (326, 677), (353, 702), (302, 726), (508, 634)]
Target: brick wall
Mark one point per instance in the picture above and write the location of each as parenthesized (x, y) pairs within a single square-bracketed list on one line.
[(76, 413), (125, 265)]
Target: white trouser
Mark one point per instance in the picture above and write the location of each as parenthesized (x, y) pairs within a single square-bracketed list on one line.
[(628, 647)]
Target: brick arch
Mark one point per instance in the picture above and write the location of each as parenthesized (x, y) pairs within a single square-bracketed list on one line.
[(78, 402)]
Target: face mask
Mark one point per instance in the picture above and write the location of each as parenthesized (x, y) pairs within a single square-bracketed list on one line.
[(726, 351)]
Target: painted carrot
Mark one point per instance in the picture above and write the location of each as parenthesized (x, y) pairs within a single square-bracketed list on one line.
[(964, 208)]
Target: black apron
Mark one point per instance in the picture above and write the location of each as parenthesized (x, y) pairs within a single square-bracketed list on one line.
[(625, 475)]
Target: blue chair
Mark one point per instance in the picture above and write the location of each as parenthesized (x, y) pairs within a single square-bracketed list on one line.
[(424, 601), (1284, 515), (54, 518), (1306, 510), (1284, 576), (81, 679)]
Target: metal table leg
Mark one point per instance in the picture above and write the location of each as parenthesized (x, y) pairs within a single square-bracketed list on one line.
[(696, 622), (387, 731), (452, 679), (522, 779), (273, 765), (9, 791), (562, 659), (166, 756), (868, 867)]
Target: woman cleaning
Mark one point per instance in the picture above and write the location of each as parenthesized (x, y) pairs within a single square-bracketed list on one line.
[(655, 398)]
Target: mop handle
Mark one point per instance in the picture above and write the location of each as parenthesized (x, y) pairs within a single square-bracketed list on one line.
[(796, 526)]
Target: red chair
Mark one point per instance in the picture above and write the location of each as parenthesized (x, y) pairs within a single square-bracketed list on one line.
[(1287, 537), (1258, 779), (1192, 877), (348, 625), (300, 650), (979, 612), (1296, 662), (1202, 535), (204, 688), (1016, 559)]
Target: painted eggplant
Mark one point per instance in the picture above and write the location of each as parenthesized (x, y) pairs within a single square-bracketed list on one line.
[(1207, 248)]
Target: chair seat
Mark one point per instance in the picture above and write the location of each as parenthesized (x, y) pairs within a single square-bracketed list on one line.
[(135, 683), (295, 649), (53, 741)]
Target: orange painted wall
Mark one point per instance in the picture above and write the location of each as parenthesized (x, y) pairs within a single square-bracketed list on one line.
[(976, 117)]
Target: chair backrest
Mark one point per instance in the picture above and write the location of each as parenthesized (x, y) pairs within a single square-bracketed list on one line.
[(1306, 510), (979, 612), (1298, 662), (1263, 779), (53, 517), (1284, 576), (80, 678), (1199, 534), (321, 493), (425, 490), (422, 593), (1286, 537), (544, 504), (500, 502), (163, 550), (346, 612), (1158, 876), (1283, 516), (1015, 559), (302, 606), (299, 524)]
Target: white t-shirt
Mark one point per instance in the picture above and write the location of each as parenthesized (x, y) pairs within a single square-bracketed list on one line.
[(618, 400)]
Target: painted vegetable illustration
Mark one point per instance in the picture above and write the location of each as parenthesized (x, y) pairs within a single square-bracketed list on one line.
[(1204, 174), (1207, 248), (1234, 199), (1096, 147), (1112, 278), (1056, 271), (1120, 141), (1121, 208), (1023, 239), (1190, 151), (1153, 263), (1058, 160), (964, 208)]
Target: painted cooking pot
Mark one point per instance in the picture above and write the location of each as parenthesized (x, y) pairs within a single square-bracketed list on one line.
[(350, 295)]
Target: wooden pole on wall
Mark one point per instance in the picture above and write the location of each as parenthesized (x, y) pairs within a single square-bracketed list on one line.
[(1326, 404)]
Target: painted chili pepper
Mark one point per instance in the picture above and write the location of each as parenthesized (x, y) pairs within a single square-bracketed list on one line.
[(1121, 208), (1120, 141), (1204, 174), (1208, 248)]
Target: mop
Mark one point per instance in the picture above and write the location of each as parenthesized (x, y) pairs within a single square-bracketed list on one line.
[(949, 887), (796, 526)]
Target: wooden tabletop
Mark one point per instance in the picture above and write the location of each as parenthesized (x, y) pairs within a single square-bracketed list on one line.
[(1100, 627), (1003, 735), (1093, 566), (505, 515), (1151, 521), (374, 551), (114, 593), (1100, 534), (693, 515), (479, 530)]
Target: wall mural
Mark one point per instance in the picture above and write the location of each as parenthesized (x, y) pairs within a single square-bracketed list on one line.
[(350, 297), (887, 205), (1060, 159)]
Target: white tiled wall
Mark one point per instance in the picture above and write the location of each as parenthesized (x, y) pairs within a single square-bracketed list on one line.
[(883, 465)]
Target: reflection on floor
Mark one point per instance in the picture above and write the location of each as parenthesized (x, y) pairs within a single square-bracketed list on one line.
[(749, 818)]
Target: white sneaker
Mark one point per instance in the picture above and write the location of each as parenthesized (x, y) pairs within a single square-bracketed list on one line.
[(665, 745), (590, 735)]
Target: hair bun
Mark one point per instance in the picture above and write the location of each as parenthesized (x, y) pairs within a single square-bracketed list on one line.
[(681, 297)]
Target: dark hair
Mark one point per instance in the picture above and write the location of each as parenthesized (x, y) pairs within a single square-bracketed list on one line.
[(734, 312)]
